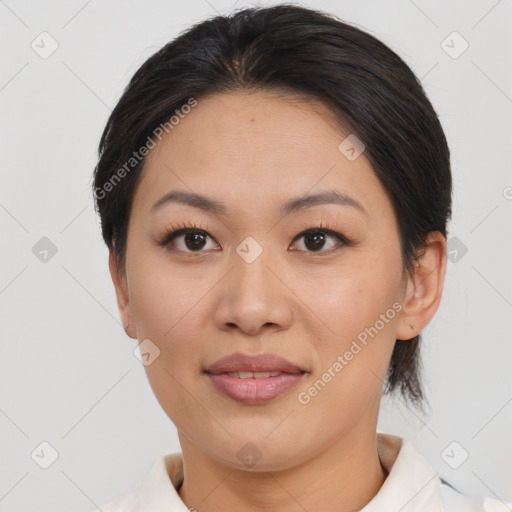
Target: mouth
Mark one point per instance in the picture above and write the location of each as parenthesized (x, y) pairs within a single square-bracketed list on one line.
[(256, 364), (254, 378), (256, 375), (252, 389)]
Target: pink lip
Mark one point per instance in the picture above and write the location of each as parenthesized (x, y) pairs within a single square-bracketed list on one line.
[(254, 391), (264, 362)]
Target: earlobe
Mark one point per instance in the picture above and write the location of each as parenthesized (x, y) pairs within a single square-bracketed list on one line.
[(122, 296), (424, 289)]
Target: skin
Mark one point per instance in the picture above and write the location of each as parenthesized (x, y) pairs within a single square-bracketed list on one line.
[(253, 152)]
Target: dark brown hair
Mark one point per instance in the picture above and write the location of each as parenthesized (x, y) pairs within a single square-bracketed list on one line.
[(294, 50)]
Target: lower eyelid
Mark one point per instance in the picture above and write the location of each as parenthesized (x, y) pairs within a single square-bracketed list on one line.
[(339, 238), (169, 239)]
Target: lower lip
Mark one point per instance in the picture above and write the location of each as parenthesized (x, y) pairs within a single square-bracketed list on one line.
[(255, 391)]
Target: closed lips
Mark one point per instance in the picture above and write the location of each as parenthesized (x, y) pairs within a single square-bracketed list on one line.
[(254, 379), (253, 375), (245, 366)]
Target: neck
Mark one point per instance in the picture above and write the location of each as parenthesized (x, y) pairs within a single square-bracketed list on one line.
[(343, 477)]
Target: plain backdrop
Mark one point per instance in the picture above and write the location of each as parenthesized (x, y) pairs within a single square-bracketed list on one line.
[(68, 374)]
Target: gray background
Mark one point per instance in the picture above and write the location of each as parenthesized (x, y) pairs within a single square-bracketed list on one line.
[(68, 375)]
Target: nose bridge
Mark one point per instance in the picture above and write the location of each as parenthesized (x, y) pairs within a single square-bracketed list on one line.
[(251, 260), (252, 295)]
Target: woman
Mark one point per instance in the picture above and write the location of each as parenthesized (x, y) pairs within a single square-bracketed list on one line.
[(274, 189)]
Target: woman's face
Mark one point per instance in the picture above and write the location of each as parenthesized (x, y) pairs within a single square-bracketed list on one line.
[(253, 284)]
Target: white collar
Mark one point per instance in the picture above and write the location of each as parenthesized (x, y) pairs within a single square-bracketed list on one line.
[(411, 485)]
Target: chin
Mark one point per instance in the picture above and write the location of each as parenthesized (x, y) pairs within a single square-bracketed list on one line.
[(258, 453)]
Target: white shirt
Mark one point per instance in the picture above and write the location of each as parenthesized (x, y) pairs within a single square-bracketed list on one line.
[(411, 486)]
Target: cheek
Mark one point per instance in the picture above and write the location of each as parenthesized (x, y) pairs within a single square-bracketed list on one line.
[(349, 300), (349, 310), (170, 304), (352, 349), (162, 299), (356, 303), (167, 309)]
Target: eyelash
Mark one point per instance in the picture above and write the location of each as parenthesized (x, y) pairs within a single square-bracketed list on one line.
[(175, 230)]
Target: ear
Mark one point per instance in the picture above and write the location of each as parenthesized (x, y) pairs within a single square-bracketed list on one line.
[(123, 300), (423, 290)]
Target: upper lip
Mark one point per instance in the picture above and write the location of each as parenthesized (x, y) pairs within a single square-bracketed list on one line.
[(265, 362)]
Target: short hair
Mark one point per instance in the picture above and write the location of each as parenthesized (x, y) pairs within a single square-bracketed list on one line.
[(291, 50)]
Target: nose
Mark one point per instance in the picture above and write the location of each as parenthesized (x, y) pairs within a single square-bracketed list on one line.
[(254, 297)]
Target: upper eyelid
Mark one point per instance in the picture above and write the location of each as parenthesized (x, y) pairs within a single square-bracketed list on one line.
[(173, 234), (181, 231)]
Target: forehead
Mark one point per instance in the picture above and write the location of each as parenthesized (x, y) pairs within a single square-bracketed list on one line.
[(254, 150)]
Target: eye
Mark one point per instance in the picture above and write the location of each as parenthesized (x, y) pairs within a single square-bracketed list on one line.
[(186, 239), (316, 239), (192, 239)]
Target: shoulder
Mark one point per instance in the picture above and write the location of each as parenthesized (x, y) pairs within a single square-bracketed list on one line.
[(156, 492), (454, 501), (128, 501), (413, 484)]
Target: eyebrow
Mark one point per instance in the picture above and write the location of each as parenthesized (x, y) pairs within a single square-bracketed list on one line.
[(208, 204)]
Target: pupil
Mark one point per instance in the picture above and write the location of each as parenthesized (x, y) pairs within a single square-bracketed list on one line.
[(318, 239), (195, 237), (196, 240)]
